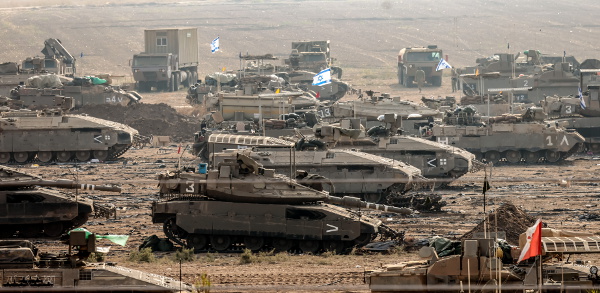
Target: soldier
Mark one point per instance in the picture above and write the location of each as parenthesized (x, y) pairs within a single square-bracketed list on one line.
[(454, 79), (420, 78)]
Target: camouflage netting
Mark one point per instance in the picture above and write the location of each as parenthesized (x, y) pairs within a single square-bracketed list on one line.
[(148, 119), (511, 220)]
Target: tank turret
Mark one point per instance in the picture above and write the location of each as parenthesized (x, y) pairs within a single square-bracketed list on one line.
[(242, 203)]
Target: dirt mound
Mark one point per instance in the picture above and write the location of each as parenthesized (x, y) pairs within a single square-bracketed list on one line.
[(511, 220), (148, 119)]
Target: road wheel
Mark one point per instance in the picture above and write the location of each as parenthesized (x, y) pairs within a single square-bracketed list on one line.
[(197, 242), (334, 246), (83, 156), (220, 242), (4, 158), (531, 157), (64, 156), (594, 147), (373, 197), (101, 155), (254, 243), (45, 157), (309, 246), (282, 244), (21, 157), (492, 157), (513, 156), (54, 229), (552, 156)]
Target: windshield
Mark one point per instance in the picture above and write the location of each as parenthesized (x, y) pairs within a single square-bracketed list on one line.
[(423, 56), (150, 61)]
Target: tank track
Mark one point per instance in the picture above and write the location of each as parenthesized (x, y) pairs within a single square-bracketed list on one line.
[(541, 157), (46, 230), (114, 153), (117, 151), (418, 201)]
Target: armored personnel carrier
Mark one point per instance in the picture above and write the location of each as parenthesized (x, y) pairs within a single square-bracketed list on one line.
[(350, 172), (241, 203), (513, 138), (568, 112), (374, 104), (51, 135), (32, 206)]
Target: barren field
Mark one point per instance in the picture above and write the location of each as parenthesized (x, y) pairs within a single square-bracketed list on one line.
[(365, 38)]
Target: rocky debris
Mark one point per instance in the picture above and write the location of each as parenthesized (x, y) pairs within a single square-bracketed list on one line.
[(148, 119), (510, 219)]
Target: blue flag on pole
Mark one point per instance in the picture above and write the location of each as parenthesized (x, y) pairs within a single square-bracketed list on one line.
[(581, 101), (442, 65), (323, 77), (214, 45)]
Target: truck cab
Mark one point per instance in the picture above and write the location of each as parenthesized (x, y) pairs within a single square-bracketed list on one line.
[(154, 69)]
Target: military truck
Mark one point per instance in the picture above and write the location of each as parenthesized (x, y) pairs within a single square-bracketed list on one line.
[(241, 203), (51, 135), (32, 206), (312, 56), (514, 138), (170, 59), (425, 58)]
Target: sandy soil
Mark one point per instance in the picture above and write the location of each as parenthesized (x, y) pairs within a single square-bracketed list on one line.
[(365, 37)]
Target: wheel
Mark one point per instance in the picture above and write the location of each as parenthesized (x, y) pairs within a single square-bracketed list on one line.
[(45, 157), (436, 80), (363, 239), (53, 229), (373, 197), (594, 147), (409, 81), (492, 157), (335, 246), (309, 246), (29, 231), (254, 243), (21, 157), (478, 156), (552, 156), (220, 242), (64, 156), (197, 241), (4, 158), (282, 244), (513, 156), (531, 157), (101, 155), (83, 156), (400, 79)]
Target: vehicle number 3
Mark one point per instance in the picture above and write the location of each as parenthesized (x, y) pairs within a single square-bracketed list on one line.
[(568, 109), (189, 187)]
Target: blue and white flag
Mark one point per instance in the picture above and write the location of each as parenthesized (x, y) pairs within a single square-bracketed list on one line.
[(581, 101), (323, 77), (442, 65), (214, 45)]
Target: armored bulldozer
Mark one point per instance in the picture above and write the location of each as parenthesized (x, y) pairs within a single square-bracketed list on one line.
[(50, 135), (242, 203), (350, 172), (31, 206), (513, 138), (373, 104)]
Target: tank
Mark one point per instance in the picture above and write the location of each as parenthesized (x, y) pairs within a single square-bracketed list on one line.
[(511, 138), (568, 111), (241, 203), (332, 92), (50, 135), (32, 206), (352, 173), (27, 269), (373, 104)]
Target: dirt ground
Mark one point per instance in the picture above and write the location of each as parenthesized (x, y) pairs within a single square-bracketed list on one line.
[(365, 38)]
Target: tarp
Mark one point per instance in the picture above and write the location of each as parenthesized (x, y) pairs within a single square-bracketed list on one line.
[(117, 239), (44, 81)]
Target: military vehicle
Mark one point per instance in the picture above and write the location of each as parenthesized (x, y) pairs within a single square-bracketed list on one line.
[(242, 203), (27, 269), (32, 206), (558, 80), (515, 138), (568, 112), (481, 269), (425, 58), (350, 172), (56, 60), (51, 135), (374, 104), (312, 56)]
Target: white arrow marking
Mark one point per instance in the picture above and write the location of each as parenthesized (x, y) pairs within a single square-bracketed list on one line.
[(97, 138), (430, 162), (332, 230), (564, 140)]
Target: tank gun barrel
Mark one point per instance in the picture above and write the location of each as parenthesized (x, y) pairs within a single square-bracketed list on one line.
[(60, 184), (354, 202)]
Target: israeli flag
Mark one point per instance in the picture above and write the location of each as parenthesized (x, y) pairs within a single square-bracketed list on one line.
[(442, 65), (323, 77), (214, 46), (581, 101)]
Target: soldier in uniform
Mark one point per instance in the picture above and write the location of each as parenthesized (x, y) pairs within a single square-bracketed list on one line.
[(420, 78)]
